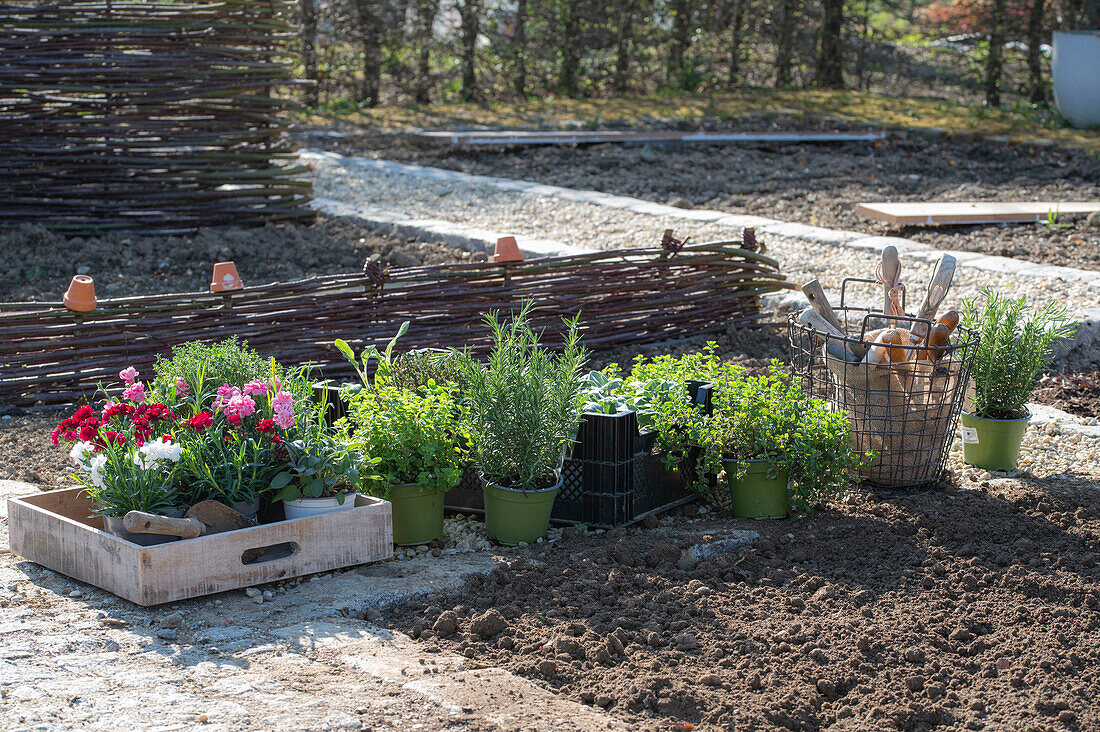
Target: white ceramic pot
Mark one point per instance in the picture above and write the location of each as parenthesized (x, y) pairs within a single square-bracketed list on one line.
[(1076, 71), (306, 507)]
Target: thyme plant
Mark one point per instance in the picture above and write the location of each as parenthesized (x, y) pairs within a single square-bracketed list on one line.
[(524, 403), (1014, 350)]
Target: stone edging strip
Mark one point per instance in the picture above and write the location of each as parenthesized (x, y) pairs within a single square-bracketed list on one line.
[(479, 240)]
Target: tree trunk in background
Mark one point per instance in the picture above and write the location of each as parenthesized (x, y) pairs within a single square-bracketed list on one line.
[(1035, 18), (570, 53), (425, 19), (309, 50), (830, 59), (624, 44), (470, 14), (737, 26), (784, 45), (993, 64), (369, 17), (681, 37), (1092, 10), (519, 45)]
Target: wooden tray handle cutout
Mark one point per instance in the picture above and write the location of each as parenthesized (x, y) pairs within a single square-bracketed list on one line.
[(270, 553)]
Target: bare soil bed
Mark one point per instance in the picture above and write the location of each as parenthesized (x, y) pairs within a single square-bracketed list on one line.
[(811, 184), (953, 609), (41, 263)]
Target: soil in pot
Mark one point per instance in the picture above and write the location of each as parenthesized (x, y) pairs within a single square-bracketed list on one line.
[(417, 514), (992, 444), (306, 507), (513, 516), (755, 495)]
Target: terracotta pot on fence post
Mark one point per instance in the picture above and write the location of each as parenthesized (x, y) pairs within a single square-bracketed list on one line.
[(80, 297), (507, 250), (225, 277)]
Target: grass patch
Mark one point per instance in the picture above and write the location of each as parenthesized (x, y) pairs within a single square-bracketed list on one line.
[(850, 106)]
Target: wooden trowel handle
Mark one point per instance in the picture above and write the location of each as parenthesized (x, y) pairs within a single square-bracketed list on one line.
[(937, 290), (815, 293), (139, 522)]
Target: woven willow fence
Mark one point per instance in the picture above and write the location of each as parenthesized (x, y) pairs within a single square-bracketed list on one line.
[(145, 115), (49, 355)]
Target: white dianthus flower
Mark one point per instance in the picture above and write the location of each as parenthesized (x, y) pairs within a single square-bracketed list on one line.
[(81, 453)]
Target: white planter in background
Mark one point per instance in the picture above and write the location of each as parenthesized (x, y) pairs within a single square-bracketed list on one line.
[(1076, 71), (305, 507)]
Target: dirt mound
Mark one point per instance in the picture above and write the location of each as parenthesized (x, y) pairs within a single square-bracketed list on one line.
[(963, 609), (42, 263), (1074, 392)]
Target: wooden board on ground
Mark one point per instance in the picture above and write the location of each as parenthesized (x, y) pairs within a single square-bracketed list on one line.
[(523, 137), (55, 530), (939, 213)]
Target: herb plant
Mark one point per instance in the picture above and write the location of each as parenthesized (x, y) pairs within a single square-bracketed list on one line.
[(771, 418), (197, 368), (524, 404), (1013, 352), (416, 369), (416, 436), (384, 358)]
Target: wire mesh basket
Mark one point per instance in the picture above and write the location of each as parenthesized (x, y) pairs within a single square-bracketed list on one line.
[(903, 402)]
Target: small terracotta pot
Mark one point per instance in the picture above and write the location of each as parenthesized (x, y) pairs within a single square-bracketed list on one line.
[(507, 250), (80, 296), (225, 277)]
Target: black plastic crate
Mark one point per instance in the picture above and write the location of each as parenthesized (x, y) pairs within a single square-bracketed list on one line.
[(612, 477)]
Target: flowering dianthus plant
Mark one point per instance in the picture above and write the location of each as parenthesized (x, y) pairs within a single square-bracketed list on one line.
[(236, 440), (125, 452)]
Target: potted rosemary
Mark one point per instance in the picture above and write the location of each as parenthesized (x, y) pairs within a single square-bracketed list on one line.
[(524, 407), (416, 436), (1013, 351)]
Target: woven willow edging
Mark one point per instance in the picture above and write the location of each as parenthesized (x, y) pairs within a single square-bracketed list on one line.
[(142, 115), (50, 355)]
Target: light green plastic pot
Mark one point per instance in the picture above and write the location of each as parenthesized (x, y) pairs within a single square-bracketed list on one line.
[(417, 515), (512, 516), (993, 444), (755, 495)]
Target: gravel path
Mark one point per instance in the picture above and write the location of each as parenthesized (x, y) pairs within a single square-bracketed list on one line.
[(811, 184), (481, 205)]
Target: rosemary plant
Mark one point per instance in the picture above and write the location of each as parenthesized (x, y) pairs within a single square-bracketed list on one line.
[(1014, 350), (524, 404)]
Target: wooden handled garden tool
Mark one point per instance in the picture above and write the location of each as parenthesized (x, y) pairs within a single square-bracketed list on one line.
[(937, 291), (888, 273), (205, 517), (820, 303)]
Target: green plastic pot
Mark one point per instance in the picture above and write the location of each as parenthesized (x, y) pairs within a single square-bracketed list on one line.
[(755, 495), (512, 515), (417, 515), (992, 444)]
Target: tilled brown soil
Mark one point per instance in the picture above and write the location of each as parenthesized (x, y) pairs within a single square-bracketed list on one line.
[(811, 184), (41, 264), (953, 609), (1074, 392)]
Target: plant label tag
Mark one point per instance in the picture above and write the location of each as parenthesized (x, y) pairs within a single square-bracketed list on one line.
[(970, 435)]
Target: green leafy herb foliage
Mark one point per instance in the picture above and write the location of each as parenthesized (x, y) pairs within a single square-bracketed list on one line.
[(1014, 350), (771, 418), (384, 359), (705, 365), (320, 464), (606, 392), (417, 369), (524, 404), (416, 436), (206, 366)]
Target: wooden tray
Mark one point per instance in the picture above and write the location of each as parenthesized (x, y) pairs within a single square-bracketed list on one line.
[(54, 529)]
